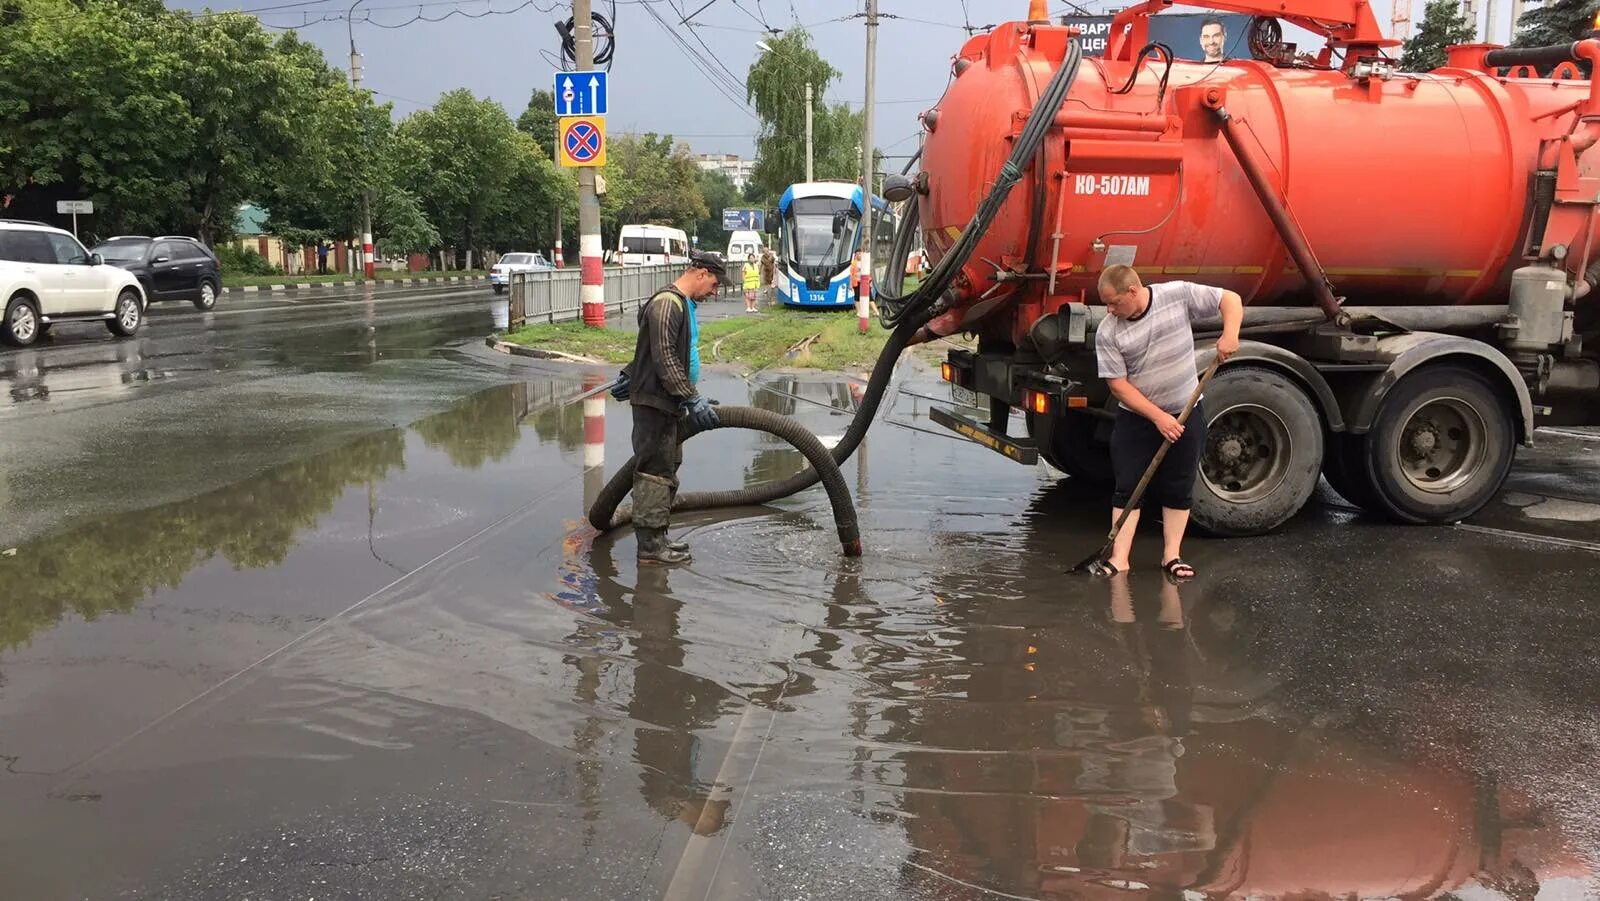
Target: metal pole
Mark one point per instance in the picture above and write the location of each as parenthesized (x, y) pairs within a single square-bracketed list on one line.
[(864, 291), (592, 295), (366, 198), (809, 176), (74, 222)]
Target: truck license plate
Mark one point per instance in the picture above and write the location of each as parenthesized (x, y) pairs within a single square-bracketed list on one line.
[(965, 397)]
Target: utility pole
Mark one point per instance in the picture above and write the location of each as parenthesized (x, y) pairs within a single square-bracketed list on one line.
[(366, 199), (592, 294), (864, 292), (809, 176)]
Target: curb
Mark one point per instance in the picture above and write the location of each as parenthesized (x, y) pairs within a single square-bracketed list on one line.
[(356, 283), (521, 351)]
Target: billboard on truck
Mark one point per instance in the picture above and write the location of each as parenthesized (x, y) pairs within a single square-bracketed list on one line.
[(1181, 32)]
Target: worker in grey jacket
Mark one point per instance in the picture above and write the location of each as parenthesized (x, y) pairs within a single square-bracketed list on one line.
[(660, 382)]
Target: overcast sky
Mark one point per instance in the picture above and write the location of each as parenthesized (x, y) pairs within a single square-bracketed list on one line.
[(654, 84)]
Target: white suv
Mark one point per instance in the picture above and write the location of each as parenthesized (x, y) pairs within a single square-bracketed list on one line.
[(47, 277)]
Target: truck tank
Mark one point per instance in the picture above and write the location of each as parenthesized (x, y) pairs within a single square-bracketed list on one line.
[(1411, 188)]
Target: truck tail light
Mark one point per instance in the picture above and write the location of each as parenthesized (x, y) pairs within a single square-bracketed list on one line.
[(1077, 402), (947, 372), (1036, 401)]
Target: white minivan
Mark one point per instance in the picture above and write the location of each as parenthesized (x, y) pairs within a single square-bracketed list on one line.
[(649, 245), (742, 244)]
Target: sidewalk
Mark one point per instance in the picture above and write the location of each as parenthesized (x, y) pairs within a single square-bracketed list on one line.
[(358, 282)]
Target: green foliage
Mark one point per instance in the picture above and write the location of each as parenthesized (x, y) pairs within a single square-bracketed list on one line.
[(457, 159), (1443, 25), (1555, 22), (236, 260), (777, 89), (719, 193), (168, 120), (649, 179), (540, 121)]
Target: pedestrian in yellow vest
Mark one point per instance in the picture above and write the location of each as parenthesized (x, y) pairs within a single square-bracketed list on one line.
[(752, 282)]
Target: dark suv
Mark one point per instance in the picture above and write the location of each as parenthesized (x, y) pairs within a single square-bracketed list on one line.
[(168, 267)]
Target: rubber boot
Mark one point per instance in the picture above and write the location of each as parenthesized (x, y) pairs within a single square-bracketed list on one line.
[(652, 506), (681, 547)]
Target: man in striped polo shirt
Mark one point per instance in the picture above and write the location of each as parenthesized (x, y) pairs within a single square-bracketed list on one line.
[(1145, 351)]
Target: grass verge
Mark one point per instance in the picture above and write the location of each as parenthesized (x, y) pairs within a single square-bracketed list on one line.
[(245, 281), (776, 338), (611, 345)]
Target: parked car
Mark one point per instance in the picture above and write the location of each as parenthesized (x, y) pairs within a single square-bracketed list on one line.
[(500, 275), (170, 267), (47, 277)]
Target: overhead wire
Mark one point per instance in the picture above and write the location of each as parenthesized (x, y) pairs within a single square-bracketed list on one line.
[(712, 75)]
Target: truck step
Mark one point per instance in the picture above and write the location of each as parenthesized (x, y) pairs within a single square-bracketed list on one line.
[(1021, 450)]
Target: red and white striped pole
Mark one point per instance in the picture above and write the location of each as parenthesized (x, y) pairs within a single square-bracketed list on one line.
[(863, 295), (593, 291), (366, 248), (594, 440)]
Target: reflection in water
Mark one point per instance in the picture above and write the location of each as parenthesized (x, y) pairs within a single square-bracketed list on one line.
[(1136, 746), (110, 564), (480, 429)]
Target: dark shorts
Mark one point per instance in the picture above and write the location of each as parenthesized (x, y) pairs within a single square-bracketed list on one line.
[(1134, 442)]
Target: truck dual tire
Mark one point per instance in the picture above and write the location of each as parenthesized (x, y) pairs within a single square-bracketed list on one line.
[(1440, 447), (1263, 453)]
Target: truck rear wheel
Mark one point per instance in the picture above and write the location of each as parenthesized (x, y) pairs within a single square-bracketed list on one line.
[(1066, 441), (1441, 445), (1263, 452)]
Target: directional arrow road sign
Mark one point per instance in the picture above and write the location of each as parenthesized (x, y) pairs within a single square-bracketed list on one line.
[(581, 94)]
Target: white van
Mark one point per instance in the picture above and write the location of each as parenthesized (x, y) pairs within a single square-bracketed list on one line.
[(742, 244), (648, 245)]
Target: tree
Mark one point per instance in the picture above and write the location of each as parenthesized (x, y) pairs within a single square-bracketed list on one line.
[(777, 89), (250, 95), (1555, 22), (540, 120), (1443, 25), (458, 158), (91, 107), (649, 178), (720, 194)]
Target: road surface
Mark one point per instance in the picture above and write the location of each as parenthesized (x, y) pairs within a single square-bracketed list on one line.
[(302, 606)]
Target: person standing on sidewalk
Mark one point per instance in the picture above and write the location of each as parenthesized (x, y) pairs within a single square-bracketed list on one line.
[(1145, 352), (769, 273), (660, 383), (752, 282)]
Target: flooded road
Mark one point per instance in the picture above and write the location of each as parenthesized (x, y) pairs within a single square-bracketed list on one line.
[(383, 658)]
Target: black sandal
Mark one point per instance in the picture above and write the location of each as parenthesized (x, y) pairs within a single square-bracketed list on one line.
[(1172, 567), (1103, 568)]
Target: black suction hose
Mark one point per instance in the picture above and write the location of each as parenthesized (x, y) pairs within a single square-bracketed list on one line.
[(604, 515), (907, 313)]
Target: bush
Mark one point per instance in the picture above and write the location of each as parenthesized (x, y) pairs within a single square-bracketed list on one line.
[(236, 260)]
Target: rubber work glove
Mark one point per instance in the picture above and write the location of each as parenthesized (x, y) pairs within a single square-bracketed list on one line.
[(698, 411), (621, 390)]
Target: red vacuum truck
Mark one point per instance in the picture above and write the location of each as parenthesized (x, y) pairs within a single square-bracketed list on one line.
[(1415, 251)]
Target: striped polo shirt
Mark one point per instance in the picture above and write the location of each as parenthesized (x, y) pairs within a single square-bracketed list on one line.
[(1156, 351)]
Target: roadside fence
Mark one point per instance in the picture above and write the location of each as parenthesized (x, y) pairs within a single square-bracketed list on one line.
[(553, 295)]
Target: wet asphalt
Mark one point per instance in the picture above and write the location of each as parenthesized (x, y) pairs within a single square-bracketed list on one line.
[(302, 606)]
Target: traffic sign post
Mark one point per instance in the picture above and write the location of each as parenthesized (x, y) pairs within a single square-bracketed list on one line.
[(581, 94), (74, 207), (582, 141)]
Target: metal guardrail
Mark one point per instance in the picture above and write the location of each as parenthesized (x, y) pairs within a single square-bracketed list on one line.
[(553, 295)]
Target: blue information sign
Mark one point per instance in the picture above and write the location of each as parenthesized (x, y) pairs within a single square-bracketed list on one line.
[(580, 94)]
